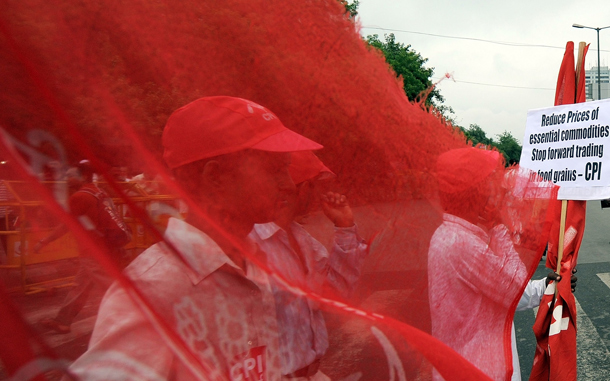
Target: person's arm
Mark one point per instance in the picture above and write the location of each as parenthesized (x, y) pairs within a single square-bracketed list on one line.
[(79, 203), (472, 259), (556, 277), (124, 345), (345, 260), (349, 249), (532, 295)]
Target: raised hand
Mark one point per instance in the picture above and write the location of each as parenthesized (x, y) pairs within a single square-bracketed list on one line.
[(337, 209)]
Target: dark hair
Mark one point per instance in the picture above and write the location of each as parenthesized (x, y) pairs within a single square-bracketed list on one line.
[(86, 170)]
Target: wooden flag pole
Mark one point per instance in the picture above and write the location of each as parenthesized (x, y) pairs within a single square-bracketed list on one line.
[(562, 231), (581, 54)]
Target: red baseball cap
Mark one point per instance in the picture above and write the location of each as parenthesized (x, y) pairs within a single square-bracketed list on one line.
[(219, 125), (304, 165), (463, 168)]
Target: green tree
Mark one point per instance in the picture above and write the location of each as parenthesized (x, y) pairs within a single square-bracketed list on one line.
[(409, 64), (351, 8), (406, 63), (476, 135), (510, 147), (506, 144)]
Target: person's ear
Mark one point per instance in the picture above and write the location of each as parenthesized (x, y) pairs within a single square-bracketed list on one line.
[(211, 175)]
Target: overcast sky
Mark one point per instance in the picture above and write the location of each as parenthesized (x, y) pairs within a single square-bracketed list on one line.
[(532, 69)]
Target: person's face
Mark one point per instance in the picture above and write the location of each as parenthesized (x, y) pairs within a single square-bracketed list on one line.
[(74, 179), (259, 187), (123, 173), (307, 199), (293, 205), (494, 201)]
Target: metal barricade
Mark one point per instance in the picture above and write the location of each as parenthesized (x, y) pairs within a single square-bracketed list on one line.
[(29, 222)]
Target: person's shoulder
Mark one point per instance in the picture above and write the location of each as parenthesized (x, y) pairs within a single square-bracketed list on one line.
[(86, 193), (82, 200), (81, 195), (152, 260)]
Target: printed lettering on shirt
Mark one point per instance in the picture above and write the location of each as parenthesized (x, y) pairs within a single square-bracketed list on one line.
[(191, 325), (249, 366)]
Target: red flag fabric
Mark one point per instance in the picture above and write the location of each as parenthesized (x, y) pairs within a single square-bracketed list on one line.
[(13, 334), (565, 92), (555, 326), (226, 278)]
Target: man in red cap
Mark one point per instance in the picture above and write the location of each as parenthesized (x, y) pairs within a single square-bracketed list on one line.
[(304, 262), (231, 156), (468, 309)]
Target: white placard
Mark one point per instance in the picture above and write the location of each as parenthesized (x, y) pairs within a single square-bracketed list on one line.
[(570, 146)]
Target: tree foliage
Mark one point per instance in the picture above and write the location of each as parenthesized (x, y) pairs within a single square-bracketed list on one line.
[(476, 135), (510, 147), (506, 143), (408, 64), (351, 8)]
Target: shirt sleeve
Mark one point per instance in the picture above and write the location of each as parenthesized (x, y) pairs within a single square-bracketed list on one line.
[(345, 261), (532, 295), (479, 263), (124, 345)]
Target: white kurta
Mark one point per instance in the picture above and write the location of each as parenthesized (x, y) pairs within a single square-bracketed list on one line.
[(303, 335), (467, 314)]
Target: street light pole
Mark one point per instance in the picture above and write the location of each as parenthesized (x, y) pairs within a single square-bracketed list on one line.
[(599, 85), (599, 80)]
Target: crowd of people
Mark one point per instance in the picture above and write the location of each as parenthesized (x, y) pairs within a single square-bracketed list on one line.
[(233, 281)]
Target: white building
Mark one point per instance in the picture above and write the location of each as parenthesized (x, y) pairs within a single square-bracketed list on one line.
[(591, 83)]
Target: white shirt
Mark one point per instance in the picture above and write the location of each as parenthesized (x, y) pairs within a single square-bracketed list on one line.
[(225, 317), (532, 295), (467, 314), (303, 335)]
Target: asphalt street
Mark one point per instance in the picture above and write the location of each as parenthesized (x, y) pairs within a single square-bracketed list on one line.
[(593, 303)]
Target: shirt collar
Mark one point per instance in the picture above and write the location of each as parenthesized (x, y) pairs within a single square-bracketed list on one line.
[(466, 226), (265, 231), (202, 255)]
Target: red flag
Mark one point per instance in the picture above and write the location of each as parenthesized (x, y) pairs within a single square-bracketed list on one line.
[(566, 81), (99, 83), (555, 326), (22, 351)]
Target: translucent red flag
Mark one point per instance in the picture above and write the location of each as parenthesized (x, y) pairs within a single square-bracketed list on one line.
[(402, 256)]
